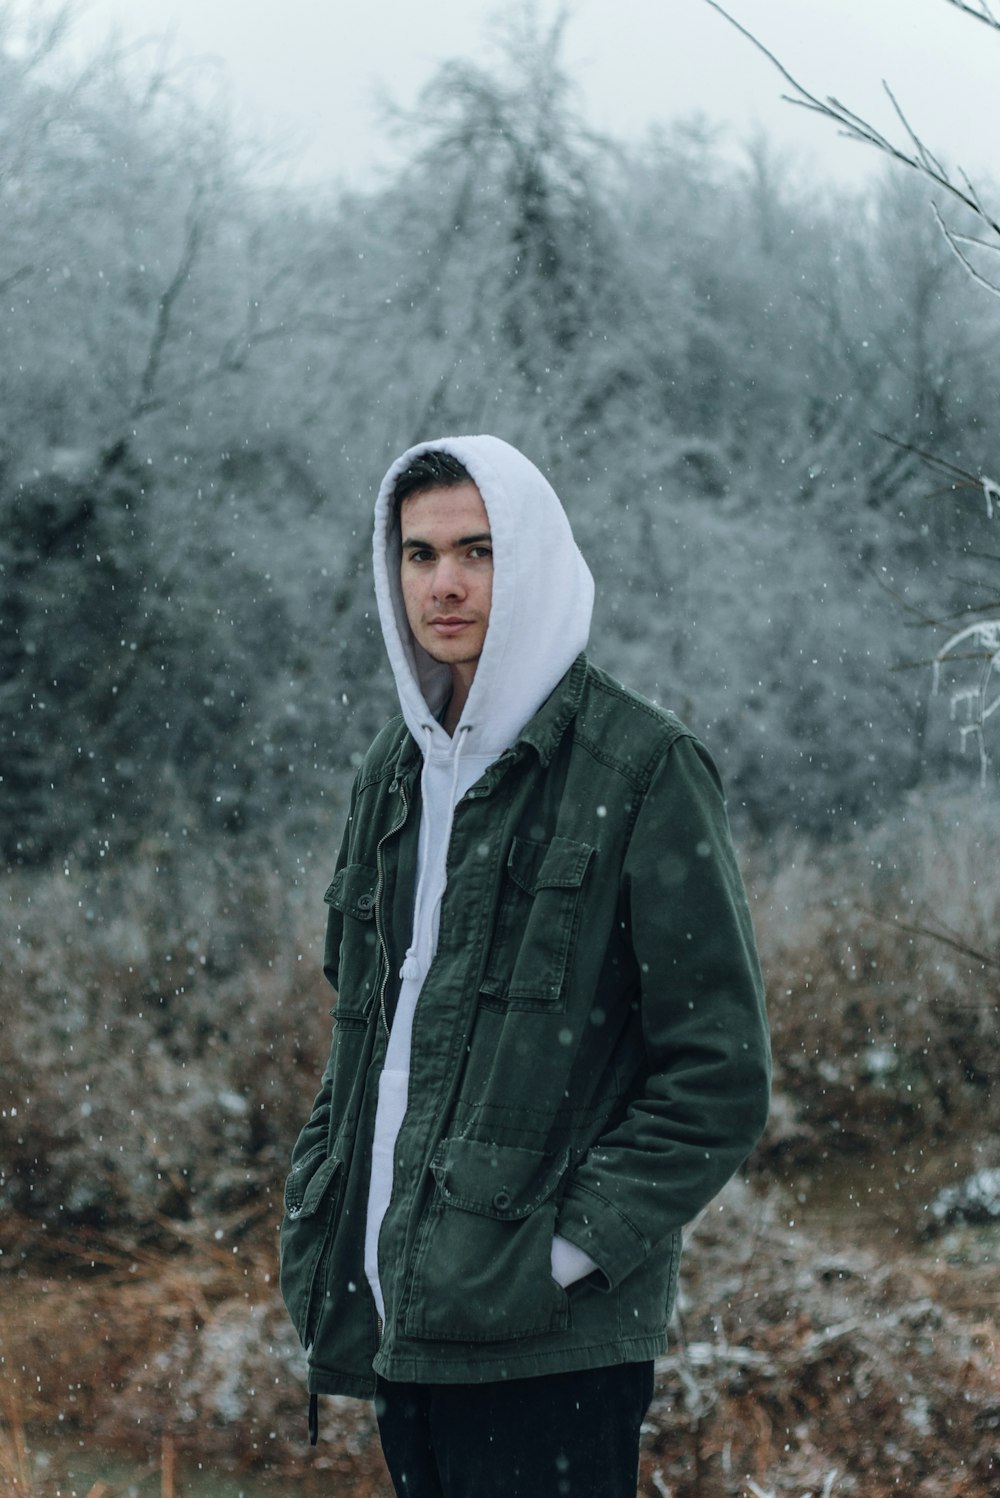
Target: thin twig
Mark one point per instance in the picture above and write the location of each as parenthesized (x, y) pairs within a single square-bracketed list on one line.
[(983, 14), (947, 937), (858, 128), (928, 160), (952, 240), (14, 277), (161, 330), (932, 459), (983, 244)]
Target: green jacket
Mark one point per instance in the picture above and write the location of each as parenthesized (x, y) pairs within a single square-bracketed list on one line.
[(589, 1054)]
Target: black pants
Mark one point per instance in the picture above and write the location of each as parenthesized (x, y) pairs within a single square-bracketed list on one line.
[(565, 1435)]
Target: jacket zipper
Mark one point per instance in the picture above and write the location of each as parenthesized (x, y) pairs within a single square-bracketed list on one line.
[(378, 893)]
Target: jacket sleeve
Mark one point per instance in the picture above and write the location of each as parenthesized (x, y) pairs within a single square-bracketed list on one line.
[(316, 1129), (703, 1097)]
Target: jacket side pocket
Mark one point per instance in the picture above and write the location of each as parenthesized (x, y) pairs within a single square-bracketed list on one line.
[(312, 1190), (481, 1270)]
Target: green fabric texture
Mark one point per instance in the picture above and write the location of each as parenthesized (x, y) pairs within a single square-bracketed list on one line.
[(589, 1053)]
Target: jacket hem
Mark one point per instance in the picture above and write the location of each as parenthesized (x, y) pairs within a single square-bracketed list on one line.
[(425, 1368)]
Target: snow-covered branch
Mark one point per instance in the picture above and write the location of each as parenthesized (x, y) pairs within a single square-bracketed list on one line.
[(980, 640), (914, 153), (977, 642)]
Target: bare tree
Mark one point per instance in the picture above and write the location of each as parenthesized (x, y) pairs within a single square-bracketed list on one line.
[(978, 640), (911, 151)]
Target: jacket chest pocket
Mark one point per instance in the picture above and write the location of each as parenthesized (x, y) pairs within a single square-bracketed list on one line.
[(537, 923), (351, 898)]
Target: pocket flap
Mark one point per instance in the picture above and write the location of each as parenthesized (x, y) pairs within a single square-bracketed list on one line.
[(307, 1182), (560, 864), (353, 891), (495, 1180)]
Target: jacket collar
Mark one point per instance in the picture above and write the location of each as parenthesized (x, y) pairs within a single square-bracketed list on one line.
[(409, 759), (547, 727), (542, 732)]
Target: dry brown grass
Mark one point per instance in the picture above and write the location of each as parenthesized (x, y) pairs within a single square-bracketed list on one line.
[(883, 970), (15, 1469), (799, 1355), (795, 1354), (168, 1358)]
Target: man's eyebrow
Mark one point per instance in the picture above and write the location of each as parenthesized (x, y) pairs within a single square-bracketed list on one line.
[(414, 541)]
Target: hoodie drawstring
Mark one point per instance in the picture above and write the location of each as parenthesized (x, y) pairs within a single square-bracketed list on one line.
[(423, 923)]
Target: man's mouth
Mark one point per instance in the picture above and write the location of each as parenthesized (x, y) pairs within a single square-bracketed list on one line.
[(449, 625)]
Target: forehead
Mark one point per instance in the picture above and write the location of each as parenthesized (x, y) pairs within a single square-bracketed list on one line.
[(456, 510)]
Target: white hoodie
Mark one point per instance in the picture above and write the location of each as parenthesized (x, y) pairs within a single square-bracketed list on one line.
[(543, 596)]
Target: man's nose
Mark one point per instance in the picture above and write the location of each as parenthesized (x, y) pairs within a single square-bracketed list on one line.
[(448, 580)]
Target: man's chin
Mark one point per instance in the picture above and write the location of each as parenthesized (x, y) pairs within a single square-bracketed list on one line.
[(456, 652), (456, 657)]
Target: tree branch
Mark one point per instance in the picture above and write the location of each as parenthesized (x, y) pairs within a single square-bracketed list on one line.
[(983, 14), (953, 241), (47, 34), (235, 354), (161, 330), (945, 935), (857, 128), (18, 275)]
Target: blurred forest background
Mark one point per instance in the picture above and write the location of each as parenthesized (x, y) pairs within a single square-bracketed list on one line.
[(768, 407)]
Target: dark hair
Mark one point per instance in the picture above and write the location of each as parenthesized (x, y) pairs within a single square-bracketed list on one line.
[(431, 470)]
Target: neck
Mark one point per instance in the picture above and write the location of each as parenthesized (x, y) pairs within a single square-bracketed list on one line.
[(461, 680)]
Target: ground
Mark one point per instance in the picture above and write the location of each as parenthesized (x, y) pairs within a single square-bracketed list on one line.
[(801, 1360)]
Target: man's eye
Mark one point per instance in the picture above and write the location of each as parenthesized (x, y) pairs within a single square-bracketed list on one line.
[(481, 551)]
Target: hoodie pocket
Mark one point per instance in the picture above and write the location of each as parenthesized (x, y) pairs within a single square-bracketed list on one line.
[(352, 894), (482, 1267), (312, 1190), (537, 923)]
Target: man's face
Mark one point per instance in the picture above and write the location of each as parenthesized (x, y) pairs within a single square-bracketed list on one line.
[(446, 572)]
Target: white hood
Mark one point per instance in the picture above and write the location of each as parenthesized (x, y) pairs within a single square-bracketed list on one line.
[(543, 598)]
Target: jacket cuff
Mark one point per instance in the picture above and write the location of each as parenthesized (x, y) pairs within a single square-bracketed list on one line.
[(599, 1230)]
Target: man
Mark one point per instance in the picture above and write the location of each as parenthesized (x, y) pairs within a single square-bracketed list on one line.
[(549, 1048)]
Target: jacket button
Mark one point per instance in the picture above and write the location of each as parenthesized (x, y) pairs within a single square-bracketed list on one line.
[(502, 1201), (365, 902)]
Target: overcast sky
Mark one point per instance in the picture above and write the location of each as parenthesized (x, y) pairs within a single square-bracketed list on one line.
[(308, 72)]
